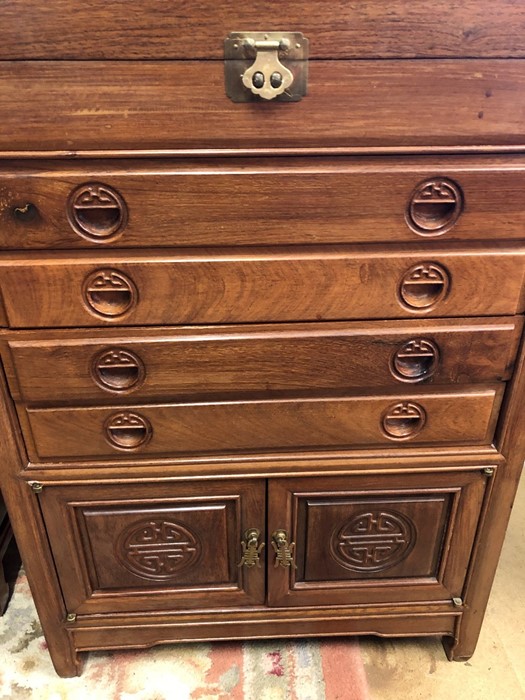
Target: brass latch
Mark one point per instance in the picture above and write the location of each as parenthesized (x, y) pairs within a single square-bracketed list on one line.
[(266, 65), (251, 549), (284, 550)]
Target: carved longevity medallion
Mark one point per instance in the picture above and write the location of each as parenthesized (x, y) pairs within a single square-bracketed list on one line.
[(434, 207), (373, 541), (157, 549), (97, 212)]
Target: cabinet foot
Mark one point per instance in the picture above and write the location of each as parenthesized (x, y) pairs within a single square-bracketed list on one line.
[(67, 665), (455, 650)]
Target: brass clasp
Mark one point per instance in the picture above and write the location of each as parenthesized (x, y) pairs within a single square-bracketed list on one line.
[(267, 76), (266, 65)]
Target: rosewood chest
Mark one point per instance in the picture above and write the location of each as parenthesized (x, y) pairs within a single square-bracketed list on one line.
[(261, 298)]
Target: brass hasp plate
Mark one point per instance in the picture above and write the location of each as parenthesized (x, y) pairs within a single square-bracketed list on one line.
[(266, 66)]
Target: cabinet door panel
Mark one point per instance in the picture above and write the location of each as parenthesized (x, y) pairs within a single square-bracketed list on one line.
[(154, 546), (375, 539)]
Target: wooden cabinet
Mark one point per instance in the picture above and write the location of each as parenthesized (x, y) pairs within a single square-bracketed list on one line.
[(262, 361), (350, 540)]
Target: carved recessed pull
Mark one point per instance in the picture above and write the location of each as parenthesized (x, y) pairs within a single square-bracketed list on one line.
[(109, 293), (403, 421), (415, 361), (435, 206), (423, 286), (97, 212), (116, 369), (127, 430)]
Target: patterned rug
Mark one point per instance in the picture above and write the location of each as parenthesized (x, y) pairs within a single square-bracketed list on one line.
[(268, 670)]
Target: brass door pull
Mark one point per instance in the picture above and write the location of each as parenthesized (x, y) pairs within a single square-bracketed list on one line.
[(251, 549), (284, 551)]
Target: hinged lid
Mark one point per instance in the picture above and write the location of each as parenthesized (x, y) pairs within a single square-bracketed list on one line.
[(172, 29)]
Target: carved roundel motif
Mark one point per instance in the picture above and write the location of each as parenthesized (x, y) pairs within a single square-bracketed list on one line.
[(403, 420), (116, 369), (109, 294), (97, 212), (127, 430), (415, 360), (435, 206), (373, 540), (423, 286), (157, 549)]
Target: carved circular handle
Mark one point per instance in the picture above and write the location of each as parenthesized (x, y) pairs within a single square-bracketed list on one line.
[(423, 286), (403, 421), (415, 360), (109, 293), (118, 370), (127, 430), (97, 212), (435, 206)]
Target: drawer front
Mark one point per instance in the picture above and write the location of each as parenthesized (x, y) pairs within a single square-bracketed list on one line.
[(374, 539), (440, 417), (174, 363), (344, 30), (259, 286), (150, 546), (181, 107), (263, 203)]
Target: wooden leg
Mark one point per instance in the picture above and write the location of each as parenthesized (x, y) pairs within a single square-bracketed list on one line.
[(455, 651), (30, 532), (67, 666), (42, 578)]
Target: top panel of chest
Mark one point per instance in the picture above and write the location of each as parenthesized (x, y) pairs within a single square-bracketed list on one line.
[(103, 77), (173, 29)]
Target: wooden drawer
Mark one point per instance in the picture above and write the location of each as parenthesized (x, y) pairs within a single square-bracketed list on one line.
[(466, 416), (264, 202), (376, 539), (97, 366), (344, 30), (170, 107), (260, 285), (151, 547)]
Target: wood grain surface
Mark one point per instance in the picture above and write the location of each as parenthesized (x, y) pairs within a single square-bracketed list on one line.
[(74, 106), (257, 285), (88, 546), (247, 360), (271, 201), (463, 416), (97, 29), (312, 511)]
